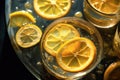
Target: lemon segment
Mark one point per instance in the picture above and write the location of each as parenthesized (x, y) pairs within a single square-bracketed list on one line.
[(52, 9), (20, 18), (76, 54), (57, 36), (28, 35)]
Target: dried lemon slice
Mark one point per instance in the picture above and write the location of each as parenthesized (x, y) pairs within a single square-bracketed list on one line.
[(52, 9), (19, 18), (74, 59), (57, 36), (28, 35), (106, 6)]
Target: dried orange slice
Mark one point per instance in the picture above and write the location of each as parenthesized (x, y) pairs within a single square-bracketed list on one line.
[(106, 6), (74, 59), (113, 71), (19, 18), (28, 35), (57, 36), (52, 9)]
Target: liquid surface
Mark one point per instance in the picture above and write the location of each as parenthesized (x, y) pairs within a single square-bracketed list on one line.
[(115, 75), (106, 6), (98, 17)]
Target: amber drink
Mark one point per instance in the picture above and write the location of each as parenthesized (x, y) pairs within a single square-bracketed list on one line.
[(71, 48), (102, 13)]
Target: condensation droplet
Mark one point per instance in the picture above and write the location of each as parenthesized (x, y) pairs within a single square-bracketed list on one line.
[(78, 14), (16, 8), (28, 5), (42, 26), (55, 67), (73, 1), (39, 63)]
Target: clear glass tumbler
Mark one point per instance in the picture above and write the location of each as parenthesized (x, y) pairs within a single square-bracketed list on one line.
[(102, 13), (85, 30)]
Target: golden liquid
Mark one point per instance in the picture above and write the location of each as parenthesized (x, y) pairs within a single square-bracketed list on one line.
[(103, 17), (106, 6), (115, 75)]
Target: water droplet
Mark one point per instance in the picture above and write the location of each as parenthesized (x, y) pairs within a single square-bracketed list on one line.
[(55, 67), (78, 14), (39, 63), (28, 5)]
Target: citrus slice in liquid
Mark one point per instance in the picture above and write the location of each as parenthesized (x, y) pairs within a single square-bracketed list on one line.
[(52, 9), (28, 35), (74, 59), (106, 6), (57, 36), (19, 18)]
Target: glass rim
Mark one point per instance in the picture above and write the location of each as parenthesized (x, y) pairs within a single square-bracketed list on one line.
[(100, 11), (87, 26)]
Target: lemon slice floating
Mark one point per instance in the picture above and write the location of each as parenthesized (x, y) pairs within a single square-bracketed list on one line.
[(52, 9), (76, 54), (28, 35), (106, 6), (19, 18), (57, 36)]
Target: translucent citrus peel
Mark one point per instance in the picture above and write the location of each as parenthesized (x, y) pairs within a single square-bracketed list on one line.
[(19, 18), (52, 9), (57, 36), (28, 35)]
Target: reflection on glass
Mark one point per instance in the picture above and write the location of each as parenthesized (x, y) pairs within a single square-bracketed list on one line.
[(116, 41), (102, 13), (62, 55)]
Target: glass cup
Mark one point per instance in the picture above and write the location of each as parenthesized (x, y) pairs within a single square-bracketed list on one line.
[(116, 41), (112, 72), (102, 13), (85, 30)]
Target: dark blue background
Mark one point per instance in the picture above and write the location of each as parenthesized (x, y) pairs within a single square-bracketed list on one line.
[(10, 66)]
